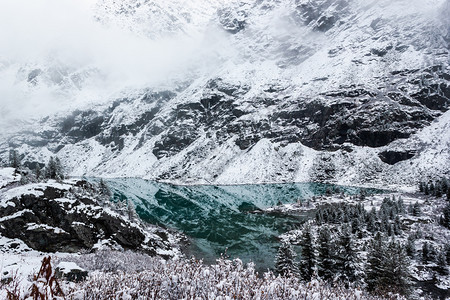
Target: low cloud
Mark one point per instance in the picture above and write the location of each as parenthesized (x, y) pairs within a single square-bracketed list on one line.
[(55, 55)]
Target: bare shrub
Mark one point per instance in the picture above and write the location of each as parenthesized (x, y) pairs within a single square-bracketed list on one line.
[(45, 285)]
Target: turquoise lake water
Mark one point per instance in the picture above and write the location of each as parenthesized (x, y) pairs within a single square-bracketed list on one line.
[(218, 218)]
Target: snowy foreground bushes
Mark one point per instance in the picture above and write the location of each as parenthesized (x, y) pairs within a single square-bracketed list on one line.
[(191, 279)]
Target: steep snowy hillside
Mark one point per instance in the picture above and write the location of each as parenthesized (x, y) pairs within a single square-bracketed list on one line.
[(349, 91), (155, 19)]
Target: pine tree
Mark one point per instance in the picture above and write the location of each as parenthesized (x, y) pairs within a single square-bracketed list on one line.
[(447, 253), (384, 223), (131, 211), (50, 169), (38, 172), (446, 216), (326, 255), (426, 253), (396, 269), (370, 221), (444, 185), (397, 225), (401, 205), (438, 192), (410, 246), (375, 259), (347, 257), (59, 173), (308, 258), (356, 226), (432, 189), (416, 211), (14, 160), (421, 186), (103, 188), (285, 264), (441, 261), (388, 268), (53, 169)]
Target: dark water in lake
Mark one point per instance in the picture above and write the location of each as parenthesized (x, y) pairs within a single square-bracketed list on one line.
[(218, 218)]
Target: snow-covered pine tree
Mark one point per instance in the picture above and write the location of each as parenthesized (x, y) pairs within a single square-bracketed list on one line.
[(59, 171), (441, 262), (447, 253), (396, 269), (432, 189), (425, 253), (14, 160), (446, 216), (326, 259), (375, 259), (285, 264), (397, 225), (50, 168), (410, 246), (421, 186), (54, 169), (371, 219), (355, 225), (131, 210), (438, 191), (308, 256), (38, 172), (416, 211), (103, 188), (347, 259), (426, 189)]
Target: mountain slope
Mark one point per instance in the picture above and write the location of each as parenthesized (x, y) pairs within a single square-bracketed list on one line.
[(354, 92)]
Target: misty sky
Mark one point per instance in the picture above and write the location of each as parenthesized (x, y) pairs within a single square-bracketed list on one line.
[(54, 55)]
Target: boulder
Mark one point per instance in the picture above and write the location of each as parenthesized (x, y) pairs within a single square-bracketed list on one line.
[(70, 271)]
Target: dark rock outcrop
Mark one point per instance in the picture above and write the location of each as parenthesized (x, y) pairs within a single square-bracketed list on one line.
[(70, 272), (393, 157), (68, 220)]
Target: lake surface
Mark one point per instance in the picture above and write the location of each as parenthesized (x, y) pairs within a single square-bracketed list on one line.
[(218, 218)]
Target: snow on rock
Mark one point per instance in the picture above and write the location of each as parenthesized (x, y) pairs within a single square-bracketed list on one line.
[(7, 176), (69, 217), (347, 92), (67, 266)]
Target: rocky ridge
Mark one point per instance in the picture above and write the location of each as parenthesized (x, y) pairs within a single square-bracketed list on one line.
[(68, 217), (342, 91)]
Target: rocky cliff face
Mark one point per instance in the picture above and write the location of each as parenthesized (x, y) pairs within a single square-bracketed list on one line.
[(67, 217), (339, 90)]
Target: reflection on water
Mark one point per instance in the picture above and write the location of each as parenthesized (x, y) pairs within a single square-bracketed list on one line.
[(218, 218)]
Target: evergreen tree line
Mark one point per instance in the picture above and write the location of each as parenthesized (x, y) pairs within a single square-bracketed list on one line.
[(360, 221), (331, 248), (124, 207), (436, 188), (52, 170), (335, 256), (14, 159)]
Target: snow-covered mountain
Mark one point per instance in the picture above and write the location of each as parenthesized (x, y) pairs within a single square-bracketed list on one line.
[(350, 91)]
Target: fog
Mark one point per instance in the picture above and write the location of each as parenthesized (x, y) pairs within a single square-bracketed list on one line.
[(54, 55)]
